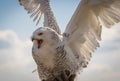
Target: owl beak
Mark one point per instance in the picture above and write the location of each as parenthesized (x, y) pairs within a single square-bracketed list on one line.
[(32, 39), (39, 41)]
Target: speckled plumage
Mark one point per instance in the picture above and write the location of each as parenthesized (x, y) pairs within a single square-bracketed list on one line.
[(55, 52), (55, 60)]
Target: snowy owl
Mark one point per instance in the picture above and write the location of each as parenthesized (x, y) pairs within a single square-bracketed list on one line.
[(60, 56)]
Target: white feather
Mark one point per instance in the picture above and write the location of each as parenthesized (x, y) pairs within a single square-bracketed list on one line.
[(37, 8), (86, 25), (80, 39)]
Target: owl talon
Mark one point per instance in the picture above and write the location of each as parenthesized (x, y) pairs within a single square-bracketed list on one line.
[(72, 77), (67, 72), (43, 80), (58, 78), (65, 75)]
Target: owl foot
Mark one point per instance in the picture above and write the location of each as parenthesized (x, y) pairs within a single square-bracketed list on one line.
[(65, 76), (72, 77)]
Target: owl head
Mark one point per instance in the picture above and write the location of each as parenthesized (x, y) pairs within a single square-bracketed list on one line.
[(44, 36)]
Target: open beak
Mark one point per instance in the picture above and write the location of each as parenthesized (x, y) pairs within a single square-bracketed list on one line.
[(39, 41), (32, 39)]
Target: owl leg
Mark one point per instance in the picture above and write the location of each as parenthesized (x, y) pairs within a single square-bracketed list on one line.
[(58, 79), (72, 77), (65, 76)]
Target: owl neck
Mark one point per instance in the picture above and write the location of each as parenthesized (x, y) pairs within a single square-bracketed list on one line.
[(50, 21)]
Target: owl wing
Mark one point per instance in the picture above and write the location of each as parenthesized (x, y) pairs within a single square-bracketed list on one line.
[(83, 32), (37, 8), (34, 8)]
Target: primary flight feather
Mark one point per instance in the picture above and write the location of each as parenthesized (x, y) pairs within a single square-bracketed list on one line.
[(71, 51)]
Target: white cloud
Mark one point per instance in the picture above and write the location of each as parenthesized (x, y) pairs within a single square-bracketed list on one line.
[(15, 60), (110, 34), (17, 52)]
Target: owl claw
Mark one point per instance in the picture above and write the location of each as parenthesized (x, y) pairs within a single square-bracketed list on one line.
[(67, 72), (58, 79), (72, 77), (65, 76)]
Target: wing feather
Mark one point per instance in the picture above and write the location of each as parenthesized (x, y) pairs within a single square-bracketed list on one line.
[(33, 7), (84, 29), (39, 7)]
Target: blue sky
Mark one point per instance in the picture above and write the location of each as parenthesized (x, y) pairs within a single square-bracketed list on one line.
[(16, 27), (14, 17)]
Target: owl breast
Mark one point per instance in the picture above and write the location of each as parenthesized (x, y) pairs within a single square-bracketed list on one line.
[(45, 56), (51, 61)]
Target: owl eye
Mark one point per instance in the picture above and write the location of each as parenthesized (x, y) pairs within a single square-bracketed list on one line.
[(40, 33)]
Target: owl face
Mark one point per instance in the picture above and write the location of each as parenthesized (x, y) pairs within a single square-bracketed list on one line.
[(44, 35)]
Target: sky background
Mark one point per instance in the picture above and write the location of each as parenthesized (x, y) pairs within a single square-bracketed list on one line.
[(16, 27)]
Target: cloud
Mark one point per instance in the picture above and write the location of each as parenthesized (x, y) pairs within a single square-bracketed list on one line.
[(16, 62), (110, 34), (15, 49), (104, 65)]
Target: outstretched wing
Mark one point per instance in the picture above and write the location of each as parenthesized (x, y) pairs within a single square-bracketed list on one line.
[(83, 32), (37, 8), (33, 7)]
